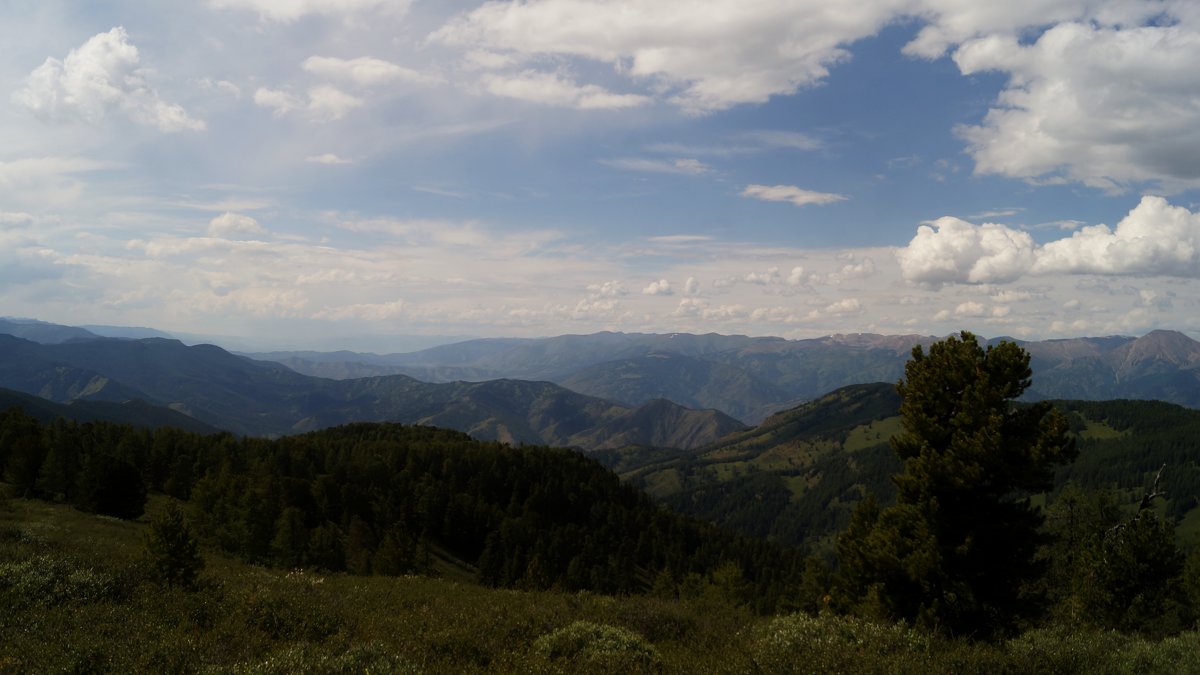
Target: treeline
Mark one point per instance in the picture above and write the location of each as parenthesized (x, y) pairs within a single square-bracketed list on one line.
[(1150, 434), (388, 499)]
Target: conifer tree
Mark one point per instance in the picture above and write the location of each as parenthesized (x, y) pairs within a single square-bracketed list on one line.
[(172, 552), (957, 549)]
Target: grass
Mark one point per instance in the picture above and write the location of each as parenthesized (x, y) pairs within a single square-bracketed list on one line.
[(870, 435), (76, 600)]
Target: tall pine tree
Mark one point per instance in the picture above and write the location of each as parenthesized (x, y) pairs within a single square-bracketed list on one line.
[(956, 551)]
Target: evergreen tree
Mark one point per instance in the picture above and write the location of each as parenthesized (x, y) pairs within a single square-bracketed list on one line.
[(957, 549), (172, 552), (1131, 579)]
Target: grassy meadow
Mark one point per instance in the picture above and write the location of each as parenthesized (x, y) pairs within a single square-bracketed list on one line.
[(77, 598)]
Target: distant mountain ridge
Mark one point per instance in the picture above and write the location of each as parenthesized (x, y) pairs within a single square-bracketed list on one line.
[(266, 398), (747, 378), (752, 377)]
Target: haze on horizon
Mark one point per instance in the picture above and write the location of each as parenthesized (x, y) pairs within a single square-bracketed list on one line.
[(308, 170)]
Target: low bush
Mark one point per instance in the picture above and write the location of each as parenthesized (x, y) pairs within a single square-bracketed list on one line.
[(587, 647)]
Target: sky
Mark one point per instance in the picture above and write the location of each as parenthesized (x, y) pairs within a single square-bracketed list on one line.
[(324, 173)]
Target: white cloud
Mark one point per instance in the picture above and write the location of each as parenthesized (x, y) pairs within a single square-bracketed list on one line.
[(951, 250), (691, 286), (951, 22), (223, 86), (660, 287), (280, 102), (844, 307), (363, 71), (796, 276), (728, 53), (771, 276), (1093, 103), (970, 309), (325, 103), (290, 10), (1155, 238), (231, 224), (327, 158), (101, 75), (10, 219), (608, 289), (555, 90), (328, 103), (687, 167), (790, 193)]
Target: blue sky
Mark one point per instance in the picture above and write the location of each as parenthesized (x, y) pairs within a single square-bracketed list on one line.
[(317, 173)]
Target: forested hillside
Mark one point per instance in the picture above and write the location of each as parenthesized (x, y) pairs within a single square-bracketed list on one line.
[(796, 477), (391, 499)]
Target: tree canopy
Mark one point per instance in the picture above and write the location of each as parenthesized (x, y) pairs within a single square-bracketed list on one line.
[(956, 550)]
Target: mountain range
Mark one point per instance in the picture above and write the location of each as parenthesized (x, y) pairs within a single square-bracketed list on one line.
[(751, 377), (265, 398), (593, 392)]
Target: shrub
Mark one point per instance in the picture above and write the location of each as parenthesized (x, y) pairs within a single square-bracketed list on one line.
[(801, 643), (588, 647), (48, 581)]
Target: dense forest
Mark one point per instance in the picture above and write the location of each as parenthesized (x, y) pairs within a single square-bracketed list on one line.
[(386, 499)]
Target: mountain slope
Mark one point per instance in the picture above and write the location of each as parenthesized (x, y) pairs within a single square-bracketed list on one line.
[(265, 398), (40, 331), (796, 478), (132, 412), (686, 380)]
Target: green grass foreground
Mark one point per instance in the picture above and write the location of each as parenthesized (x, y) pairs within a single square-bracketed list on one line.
[(76, 598)]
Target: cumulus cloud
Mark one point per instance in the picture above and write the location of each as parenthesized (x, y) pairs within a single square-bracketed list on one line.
[(691, 286), (325, 103), (230, 224), (951, 22), (96, 78), (843, 307), (1154, 239), (555, 90), (771, 276), (608, 289), (363, 71), (329, 103), (1101, 104), (280, 102), (660, 287), (732, 52), (701, 309), (790, 193), (951, 250)]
